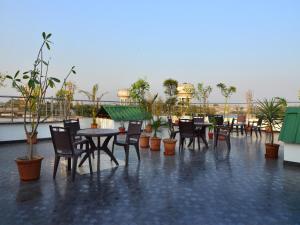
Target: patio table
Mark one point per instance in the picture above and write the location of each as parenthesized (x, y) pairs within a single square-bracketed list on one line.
[(89, 133)]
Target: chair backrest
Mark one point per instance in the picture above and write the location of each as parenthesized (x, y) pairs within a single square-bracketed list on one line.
[(219, 120), (73, 126), (134, 130), (198, 119), (241, 119), (186, 127), (61, 139)]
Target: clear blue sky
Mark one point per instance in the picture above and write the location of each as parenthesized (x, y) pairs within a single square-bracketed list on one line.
[(243, 43)]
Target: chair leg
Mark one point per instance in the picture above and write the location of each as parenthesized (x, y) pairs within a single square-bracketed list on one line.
[(74, 167), (193, 143), (259, 130), (90, 162), (228, 142), (56, 162), (137, 149), (126, 148), (256, 133), (198, 142)]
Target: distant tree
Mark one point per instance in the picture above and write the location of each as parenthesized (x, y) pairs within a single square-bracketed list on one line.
[(203, 93), (138, 90), (170, 87), (66, 95), (226, 92)]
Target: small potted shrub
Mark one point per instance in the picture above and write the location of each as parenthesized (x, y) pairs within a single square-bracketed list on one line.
[(211, 127), (271, 112), (155, 141), (144, 140), (33, 86), (122, 129), (92, 96), (169, 145)]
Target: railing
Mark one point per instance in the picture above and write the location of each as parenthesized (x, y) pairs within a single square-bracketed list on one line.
[(54, 109)]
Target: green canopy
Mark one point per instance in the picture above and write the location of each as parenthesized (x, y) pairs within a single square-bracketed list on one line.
[(290, 132), (122, 112)]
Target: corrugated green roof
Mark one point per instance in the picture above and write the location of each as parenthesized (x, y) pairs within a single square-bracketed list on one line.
[(290, 131), (122, 112)]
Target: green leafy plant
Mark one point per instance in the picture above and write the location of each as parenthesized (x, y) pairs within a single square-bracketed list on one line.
[(138, 90), (271, 112), (157, 124), (33, 85), (226, 92)]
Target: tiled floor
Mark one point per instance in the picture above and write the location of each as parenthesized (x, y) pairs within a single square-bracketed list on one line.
[(194, 187)]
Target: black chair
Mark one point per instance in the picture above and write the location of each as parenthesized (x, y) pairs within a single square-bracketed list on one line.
[(64, 147), (132, 138), (240, 124), (74, 126), (198, 120), (256, 127), (187, 130), (223, 131), (173, 131)]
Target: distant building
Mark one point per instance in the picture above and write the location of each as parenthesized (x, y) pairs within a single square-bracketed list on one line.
[(186, 92), (124, 96)]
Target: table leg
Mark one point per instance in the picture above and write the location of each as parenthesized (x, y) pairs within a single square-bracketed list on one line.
[(107, 151), (93, 148)]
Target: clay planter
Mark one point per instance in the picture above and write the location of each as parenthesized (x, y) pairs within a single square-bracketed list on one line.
[(170, 145), (144, 141), (210, 135), (221, 138), (122, 130), (272, 151), (148, 128), (155, 143), (29, 169), (94, 125), (33, 138)]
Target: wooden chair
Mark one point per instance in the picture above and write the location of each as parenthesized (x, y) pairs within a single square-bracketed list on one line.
[(64, 147), (132, 138)]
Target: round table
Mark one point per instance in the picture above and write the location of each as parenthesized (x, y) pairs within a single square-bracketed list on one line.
[(89, 133)]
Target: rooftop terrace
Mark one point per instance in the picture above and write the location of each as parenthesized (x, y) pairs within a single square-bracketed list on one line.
[(204, 186)]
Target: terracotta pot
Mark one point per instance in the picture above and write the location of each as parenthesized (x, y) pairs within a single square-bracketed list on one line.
[(29, 169), (210, 135), (268, 130), (155, 143), (94, 125), (272, 151), (33, 138), (144, 141), (221, 138), (170, 145), (148, 128), (122, 130)]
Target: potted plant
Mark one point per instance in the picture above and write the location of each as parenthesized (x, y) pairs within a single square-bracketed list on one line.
[(92, 96), (144, 140), (155, 141), (122, 127), (33, 86), (169, 145), (271, 112), (211, 127)]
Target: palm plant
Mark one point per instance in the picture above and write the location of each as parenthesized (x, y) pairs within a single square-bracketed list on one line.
[(92, 96), (226, 92), (272, 113)]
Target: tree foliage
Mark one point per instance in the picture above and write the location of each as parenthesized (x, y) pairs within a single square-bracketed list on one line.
[(138, 90)]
